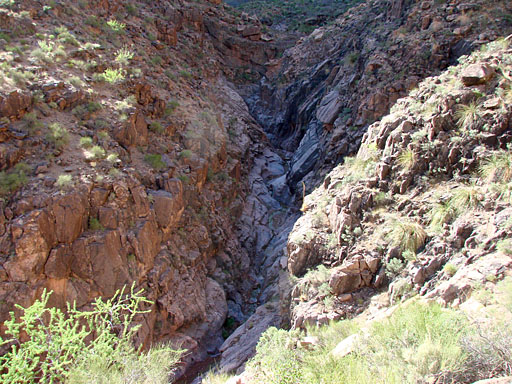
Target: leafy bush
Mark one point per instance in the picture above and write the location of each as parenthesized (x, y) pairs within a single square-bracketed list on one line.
[(86, 142), (505, 247), (441, 214), (64, 181), (450, 269), (111, 76), (123, 56), (156, 127), (57, 135), (155, 160), (96, 153), (185, 154), (31, 123), (277, 361), (13, 179), (407, 159), (418, 343), (313, 282), (394, 267), (92, 346), (171, 106), (116, 26), (94, 224), (469, 116), (465, 198)]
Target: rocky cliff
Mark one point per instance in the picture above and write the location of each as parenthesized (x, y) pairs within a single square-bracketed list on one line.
[(127, 156)]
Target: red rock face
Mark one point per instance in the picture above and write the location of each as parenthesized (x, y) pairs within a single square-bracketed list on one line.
[(15, 104)]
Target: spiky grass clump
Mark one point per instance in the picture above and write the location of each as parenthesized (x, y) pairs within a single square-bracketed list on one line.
[(408, 235), (441, 214), (469, 116), (407, 159), (465, 198), (498, 167)]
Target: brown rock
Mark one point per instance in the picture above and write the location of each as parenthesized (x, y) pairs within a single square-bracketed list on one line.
[(70, 216), (58, 265), (343, 282), (329, 108), (33, 237), (476, 74), (134, 132), (15, 104), (145, 241), (251, 30), (108, 218), (168, 206)]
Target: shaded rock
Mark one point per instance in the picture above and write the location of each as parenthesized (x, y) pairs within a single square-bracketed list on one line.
[(329, 108), (34, 235), (241, 345), (70, 216)]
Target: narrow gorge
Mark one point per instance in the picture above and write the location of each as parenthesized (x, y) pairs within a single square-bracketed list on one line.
[(244, 174)]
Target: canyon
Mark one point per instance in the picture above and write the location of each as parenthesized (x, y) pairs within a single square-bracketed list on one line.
[(189, 148)]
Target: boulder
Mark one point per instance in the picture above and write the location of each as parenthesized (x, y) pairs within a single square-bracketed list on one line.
[(476, 74), (329, 108), (346, 346), (344, 281)]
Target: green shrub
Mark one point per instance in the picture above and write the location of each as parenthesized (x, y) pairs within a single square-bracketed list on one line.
[(31, 123), (394, 267), (64, 181), (96, 152), (86, 142), (111, 76), (14, 179), (57, 135), (469, 116), (185, 154), (112, 157), (94, 224), (407, 159), (418, 343), (277, 361), (155, 160), (171, 106), (465, 198), (156, 60), (116, 26), (123, 56), (156, 127), (441, 214), (450, 269), (505, 247), (47, 345)]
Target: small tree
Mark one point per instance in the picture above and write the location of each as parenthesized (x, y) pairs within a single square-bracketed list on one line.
[(75, 346)]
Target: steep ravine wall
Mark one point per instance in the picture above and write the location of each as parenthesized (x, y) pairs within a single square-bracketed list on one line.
[(319, 100), (176, 197)]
